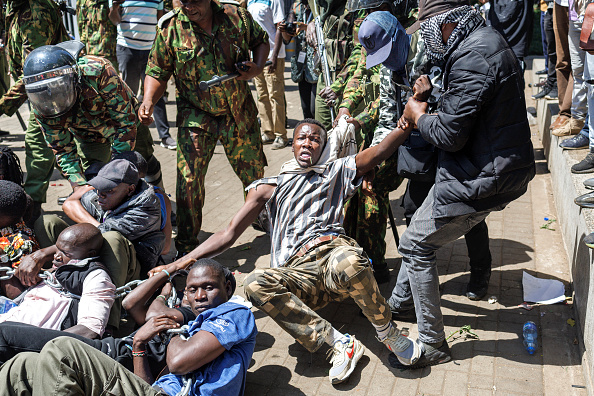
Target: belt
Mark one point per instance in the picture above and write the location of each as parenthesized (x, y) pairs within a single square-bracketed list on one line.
[(313, 243)]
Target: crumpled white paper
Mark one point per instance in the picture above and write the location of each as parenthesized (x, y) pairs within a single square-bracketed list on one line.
[(542, 291)]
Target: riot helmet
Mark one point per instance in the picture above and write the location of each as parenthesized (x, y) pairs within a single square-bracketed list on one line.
[(50, 74)]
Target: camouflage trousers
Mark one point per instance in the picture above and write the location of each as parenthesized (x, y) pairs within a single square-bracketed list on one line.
[(366, 214), (195, 148), (290, 295)]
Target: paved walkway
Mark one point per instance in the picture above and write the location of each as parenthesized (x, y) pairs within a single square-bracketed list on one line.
[(496, 363)]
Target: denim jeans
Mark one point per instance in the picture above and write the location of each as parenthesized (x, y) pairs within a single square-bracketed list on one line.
[(477, 244), (132, 65), (418, 245), (589, 83), (579, 105)]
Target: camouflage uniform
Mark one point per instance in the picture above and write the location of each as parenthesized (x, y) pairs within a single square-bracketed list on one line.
[(96, 31), (227, 113), (30, 25), (102, 120)]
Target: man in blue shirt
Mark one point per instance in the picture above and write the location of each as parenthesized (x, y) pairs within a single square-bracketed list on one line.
[(215, 357)]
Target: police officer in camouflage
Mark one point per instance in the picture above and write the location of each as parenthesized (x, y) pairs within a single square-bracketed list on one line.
[(85, 110), (29, 25), (195, 42), (96, 31)]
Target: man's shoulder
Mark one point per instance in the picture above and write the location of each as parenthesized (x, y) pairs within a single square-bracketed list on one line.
[(92, 66)]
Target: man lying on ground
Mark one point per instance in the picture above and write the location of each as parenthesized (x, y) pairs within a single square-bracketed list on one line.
[(313, 262), (215, 356), (78, 295)]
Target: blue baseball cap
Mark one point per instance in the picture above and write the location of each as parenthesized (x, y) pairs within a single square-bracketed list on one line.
[(383, 37)]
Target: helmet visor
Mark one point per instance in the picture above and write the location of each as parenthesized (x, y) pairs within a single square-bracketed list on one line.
[(54, 96)]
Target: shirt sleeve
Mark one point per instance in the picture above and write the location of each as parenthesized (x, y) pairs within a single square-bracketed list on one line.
[(121, 107), (63, 145), (160, 6), (278, 11), (161, 60), (230, 328), (96, 301)]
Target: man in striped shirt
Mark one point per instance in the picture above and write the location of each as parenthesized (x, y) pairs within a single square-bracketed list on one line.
[(136, 22), (313, 262)]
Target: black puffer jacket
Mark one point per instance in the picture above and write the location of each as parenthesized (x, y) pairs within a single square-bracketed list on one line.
[(486, 157)]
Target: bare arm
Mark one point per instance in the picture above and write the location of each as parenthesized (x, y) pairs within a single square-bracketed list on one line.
[(255, 67), (136, 303), (186, 356), (28, 270), (153, 90), (278, 42), (74, 209), (115, 12), (224, 239), (150, 329), (373, 156)]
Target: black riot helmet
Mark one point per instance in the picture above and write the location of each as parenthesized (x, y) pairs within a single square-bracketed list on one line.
[(50, 74)]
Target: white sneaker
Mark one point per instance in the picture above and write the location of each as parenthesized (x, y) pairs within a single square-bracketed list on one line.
[(345, 355), (168, 143), (398, 344)]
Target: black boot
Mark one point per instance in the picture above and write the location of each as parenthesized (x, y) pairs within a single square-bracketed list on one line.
[(381, 273), (478, 284)]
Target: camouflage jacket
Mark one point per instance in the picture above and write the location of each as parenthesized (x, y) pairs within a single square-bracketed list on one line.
[(29, 24), (105, 111), (184, 50), (97, 32), (416, 66)]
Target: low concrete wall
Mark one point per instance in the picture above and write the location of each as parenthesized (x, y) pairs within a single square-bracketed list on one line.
[(575, 223)]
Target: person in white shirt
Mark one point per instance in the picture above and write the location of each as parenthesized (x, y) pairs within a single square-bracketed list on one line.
[(270, 85)]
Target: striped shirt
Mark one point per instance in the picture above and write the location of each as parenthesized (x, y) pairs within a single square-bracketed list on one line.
[(138, 26), (307, 205)]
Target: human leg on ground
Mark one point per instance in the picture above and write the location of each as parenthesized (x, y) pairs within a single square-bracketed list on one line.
[(69, 366)]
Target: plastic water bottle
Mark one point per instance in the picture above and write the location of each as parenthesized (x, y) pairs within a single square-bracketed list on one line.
[(530, 335), (6, 304)]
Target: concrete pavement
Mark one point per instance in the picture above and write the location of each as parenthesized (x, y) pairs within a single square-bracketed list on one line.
[(494, 364)]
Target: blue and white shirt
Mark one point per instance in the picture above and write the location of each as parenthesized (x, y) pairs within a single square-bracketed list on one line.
[(138, 26)]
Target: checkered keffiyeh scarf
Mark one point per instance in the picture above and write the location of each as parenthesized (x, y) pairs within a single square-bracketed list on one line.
[(468, 20)]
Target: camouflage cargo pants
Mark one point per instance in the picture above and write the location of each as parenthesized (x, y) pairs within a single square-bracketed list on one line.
[(195, 148), (330, 272), (367, 212)]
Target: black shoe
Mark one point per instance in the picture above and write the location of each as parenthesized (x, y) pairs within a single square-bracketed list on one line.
[(589, 184), (404, 315), (544, 92), (589, 240), (585, 166), (543, 71), (585, 201), (430, 357), (553, 94), (381, 273), (478, 285)]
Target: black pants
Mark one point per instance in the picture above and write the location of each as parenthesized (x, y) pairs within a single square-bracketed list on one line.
[(307, 93), (547, 25), (132, 65)]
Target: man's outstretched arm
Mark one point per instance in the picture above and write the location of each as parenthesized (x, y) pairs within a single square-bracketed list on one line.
[(369, 158), (224, 239)]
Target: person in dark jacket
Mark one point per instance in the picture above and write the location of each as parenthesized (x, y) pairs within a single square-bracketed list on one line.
[(485, 157)]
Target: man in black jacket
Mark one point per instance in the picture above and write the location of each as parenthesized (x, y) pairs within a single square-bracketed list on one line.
[(485, 157)]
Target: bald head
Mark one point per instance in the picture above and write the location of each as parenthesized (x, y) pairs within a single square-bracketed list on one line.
[(85, 236)]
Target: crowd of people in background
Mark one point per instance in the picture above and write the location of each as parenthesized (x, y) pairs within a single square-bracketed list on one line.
[(428, 92)]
